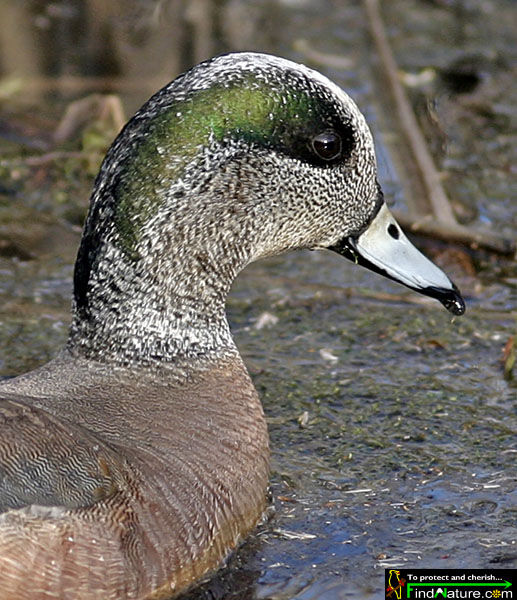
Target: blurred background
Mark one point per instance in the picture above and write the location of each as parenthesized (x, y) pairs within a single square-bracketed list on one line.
[(393, 428)]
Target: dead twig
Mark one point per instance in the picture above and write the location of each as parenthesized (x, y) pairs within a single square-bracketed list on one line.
[(334, 61), (106, 108), (454, 232), (330, 293), (42, 159), (441, 221), (438, 201), (75, 84)]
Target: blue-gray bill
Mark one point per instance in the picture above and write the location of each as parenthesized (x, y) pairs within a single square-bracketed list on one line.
[(384, 248)]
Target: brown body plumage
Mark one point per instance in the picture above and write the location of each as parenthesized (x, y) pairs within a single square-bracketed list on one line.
[(172, 458)]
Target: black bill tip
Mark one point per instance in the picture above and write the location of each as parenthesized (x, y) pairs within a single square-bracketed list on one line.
[(451, 299)]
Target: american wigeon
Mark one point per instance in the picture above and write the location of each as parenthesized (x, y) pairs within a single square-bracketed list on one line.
[(137, 459)]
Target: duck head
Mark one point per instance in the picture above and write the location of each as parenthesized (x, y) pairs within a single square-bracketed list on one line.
[(244, 156)]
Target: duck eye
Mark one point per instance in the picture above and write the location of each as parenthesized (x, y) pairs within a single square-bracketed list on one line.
[(327, 145)]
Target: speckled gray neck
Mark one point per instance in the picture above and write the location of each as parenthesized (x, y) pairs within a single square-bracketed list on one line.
[(216, 170)]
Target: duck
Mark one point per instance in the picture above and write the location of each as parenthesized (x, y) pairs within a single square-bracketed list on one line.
[(137, 459)]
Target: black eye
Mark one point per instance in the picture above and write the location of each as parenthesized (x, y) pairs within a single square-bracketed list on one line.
[(327, 145)]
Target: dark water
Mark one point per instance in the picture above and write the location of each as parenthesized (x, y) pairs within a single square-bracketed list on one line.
[(393, 429)]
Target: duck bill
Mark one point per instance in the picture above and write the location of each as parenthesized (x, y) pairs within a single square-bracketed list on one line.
[(385, 249)]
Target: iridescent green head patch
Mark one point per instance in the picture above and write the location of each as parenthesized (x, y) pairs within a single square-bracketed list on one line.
[(265, 113)]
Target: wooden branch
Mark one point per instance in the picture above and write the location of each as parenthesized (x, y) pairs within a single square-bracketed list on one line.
[(41, 159), (454, 232), (106, 108), (79, 84), (324, 292), (441, 221), (438, 201), (332, 61)]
